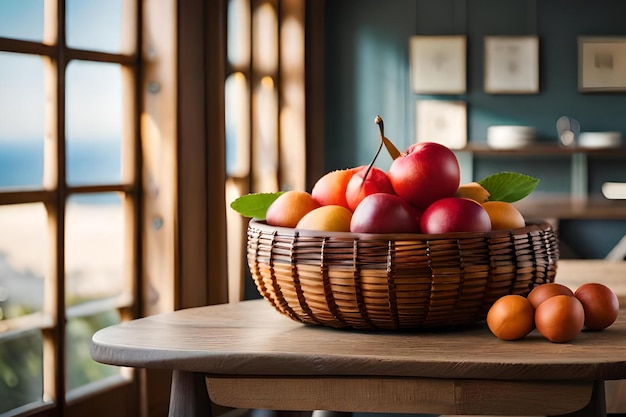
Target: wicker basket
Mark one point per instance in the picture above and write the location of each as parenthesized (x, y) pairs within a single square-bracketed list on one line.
[(396, 282)]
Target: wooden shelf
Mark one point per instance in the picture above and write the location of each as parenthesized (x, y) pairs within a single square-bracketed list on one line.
[(545, 207), (543, 149), (579, 164)]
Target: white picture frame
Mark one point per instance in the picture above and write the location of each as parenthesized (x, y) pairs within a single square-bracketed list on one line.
[(441, 121), (438, 64), (601, 64), (511, 64)]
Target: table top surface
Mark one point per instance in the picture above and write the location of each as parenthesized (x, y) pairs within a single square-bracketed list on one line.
[(251, 338)]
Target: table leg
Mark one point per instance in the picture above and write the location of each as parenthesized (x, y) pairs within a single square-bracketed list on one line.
[(596, 406), (189, 396)]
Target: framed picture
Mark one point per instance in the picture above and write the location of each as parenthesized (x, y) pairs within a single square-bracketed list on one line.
[(511, 64), (441, 121), (438, 64), (601, 64)]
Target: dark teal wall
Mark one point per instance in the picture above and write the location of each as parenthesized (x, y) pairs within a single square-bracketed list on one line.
[(367, 73), (367, 68)]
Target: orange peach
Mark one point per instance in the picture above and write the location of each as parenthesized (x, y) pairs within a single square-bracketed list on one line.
[(289, 208), (330, 189)]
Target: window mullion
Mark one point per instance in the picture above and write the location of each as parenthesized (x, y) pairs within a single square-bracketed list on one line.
[(54, 179)]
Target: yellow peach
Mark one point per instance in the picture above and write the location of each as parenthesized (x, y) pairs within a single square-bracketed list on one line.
[(332, 218)]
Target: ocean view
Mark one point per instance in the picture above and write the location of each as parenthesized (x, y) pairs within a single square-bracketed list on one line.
[(94, 260), (88, 162), (94, 250)]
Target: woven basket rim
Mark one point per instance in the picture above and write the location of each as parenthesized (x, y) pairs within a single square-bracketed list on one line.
[(532, 226)]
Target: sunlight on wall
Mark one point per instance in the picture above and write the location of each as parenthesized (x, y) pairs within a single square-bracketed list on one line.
[(265, 133), (237, 110), (292, 114), (265, 111), (238, 37), (265, 39)]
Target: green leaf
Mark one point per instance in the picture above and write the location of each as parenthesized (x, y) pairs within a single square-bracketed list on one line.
[(254, 205), (508, 186)]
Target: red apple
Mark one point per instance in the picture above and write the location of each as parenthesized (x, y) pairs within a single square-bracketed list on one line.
[(330, 188), (384, 213), (455, 214), (375, 182), (425, 173)]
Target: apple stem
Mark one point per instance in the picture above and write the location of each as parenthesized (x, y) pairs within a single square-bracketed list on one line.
[(393, 151), (379, 122)]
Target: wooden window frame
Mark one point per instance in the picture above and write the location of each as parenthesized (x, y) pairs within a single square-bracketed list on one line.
[(178, 187), (54, 194)]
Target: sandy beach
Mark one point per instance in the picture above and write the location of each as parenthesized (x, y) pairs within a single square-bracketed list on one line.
[(94, 252)]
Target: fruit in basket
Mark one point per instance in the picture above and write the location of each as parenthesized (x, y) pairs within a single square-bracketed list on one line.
[(542, 292), (560, 318), (333, 218), (365, 181), (384, 213), (511, 317), (600, 303), (425, 173), (504, 215), (454, 214), (289, 208), (473, 190), (330, 188)]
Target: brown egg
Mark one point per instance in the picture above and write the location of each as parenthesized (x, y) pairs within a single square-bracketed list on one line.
[(544, 291), (560, 318), (511, 317), (600, 303)]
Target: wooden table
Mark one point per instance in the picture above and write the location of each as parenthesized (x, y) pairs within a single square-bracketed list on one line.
[(249, 356)]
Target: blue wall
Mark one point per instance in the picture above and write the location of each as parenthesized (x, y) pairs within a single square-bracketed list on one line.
[(367, 73), (367, 65)]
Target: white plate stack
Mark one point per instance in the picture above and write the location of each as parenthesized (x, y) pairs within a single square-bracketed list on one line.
[(600, 139), (510, 137)]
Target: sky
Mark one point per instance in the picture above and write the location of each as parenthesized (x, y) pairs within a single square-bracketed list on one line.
[(93, 90)]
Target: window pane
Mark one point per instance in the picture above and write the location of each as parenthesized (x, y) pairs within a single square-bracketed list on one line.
[(94, 123), (237, 114), (94, 260), (21, 370), (265, 38), (265, 140), (21, 19), (94, 24), (21, 120), (94, 253), (238, 47), (81, 369), (23, 248)]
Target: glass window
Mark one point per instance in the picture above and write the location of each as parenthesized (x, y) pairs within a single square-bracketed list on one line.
[(94, 25), (23, 245), (67, 264), (237, 102), (93, 123), (21, 120), (23, 248), (21, 19), (81, 369), (94, 248), (21, 369), (95, 256)]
